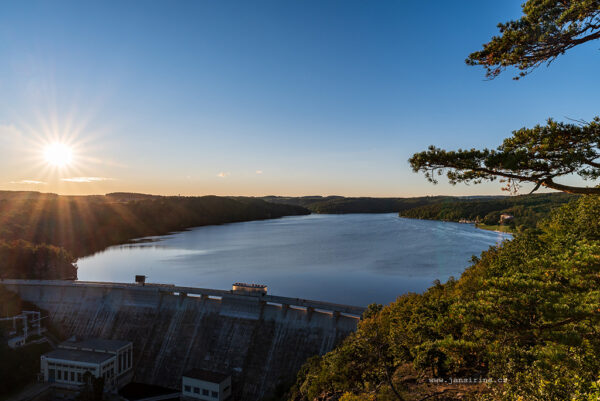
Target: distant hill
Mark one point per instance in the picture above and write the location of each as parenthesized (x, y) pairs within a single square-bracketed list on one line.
[(304, 201), (526, 210), (129, 196), (25, 195), (39, 232), (341, 205)]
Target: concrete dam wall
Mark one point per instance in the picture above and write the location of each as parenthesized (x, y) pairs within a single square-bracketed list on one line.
[(260, 340)]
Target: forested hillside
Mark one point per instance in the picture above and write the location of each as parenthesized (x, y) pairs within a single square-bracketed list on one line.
[(371, 205), (341, 204), (526, 311), (86, 224), (21, 259), (75, 226), (527, 210)]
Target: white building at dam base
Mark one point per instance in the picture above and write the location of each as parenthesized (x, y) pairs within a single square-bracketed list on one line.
[(75, 363)]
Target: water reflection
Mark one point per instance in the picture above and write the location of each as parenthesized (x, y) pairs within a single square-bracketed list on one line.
[(354, 259)]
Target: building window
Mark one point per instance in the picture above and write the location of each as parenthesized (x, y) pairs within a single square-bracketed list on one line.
[(79, 378), (187, 389), (59, 377), (204, 391), (72, 376), (196, 390), (215, 394)]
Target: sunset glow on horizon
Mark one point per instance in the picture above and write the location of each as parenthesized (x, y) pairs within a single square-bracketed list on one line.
[(204, 98)]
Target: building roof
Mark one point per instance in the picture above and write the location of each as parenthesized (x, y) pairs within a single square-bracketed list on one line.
[(206, 375), (79, 356), (97, 343)]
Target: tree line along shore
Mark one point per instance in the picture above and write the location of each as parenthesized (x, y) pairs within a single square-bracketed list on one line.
[(526, 211), (42, 235)]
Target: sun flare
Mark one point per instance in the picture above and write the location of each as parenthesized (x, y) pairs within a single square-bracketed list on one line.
[(58, 154)]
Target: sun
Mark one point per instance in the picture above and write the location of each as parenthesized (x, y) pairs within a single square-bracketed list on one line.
[(58, 154)]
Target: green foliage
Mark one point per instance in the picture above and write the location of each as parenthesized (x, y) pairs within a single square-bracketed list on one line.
[(538, 155), (527, 311), (40, 232), (527, 210), (547, 29), (499, 227), (341, 205), (372, 310), (84, 225), (24, 260)]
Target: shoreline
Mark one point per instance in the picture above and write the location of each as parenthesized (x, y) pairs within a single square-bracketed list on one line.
[(493, 228)]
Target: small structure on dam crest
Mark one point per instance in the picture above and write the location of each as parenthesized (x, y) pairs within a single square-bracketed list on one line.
[(250, 289)]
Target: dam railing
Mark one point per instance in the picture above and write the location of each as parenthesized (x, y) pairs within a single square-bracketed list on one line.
[(286, 303)]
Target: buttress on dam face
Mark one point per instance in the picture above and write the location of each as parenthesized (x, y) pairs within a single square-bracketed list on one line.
[(261, 340)]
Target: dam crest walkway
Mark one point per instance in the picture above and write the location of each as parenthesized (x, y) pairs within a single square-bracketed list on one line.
[(285, 302)]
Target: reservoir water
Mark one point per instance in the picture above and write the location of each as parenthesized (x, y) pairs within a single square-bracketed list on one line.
[(352, 259)]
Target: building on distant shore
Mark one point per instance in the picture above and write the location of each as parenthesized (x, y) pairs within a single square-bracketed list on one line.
[(74, 363), (198, 384), (506, 218)]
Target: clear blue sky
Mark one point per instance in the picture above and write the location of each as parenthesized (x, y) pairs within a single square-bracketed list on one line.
[(262, 97)]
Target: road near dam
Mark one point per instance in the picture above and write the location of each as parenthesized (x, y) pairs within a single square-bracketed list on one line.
[(261, 340)]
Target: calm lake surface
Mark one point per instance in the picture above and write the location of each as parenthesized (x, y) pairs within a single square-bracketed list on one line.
[(353, 259)]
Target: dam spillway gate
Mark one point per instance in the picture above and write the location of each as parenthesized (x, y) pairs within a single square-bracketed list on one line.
[(261, 341)]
